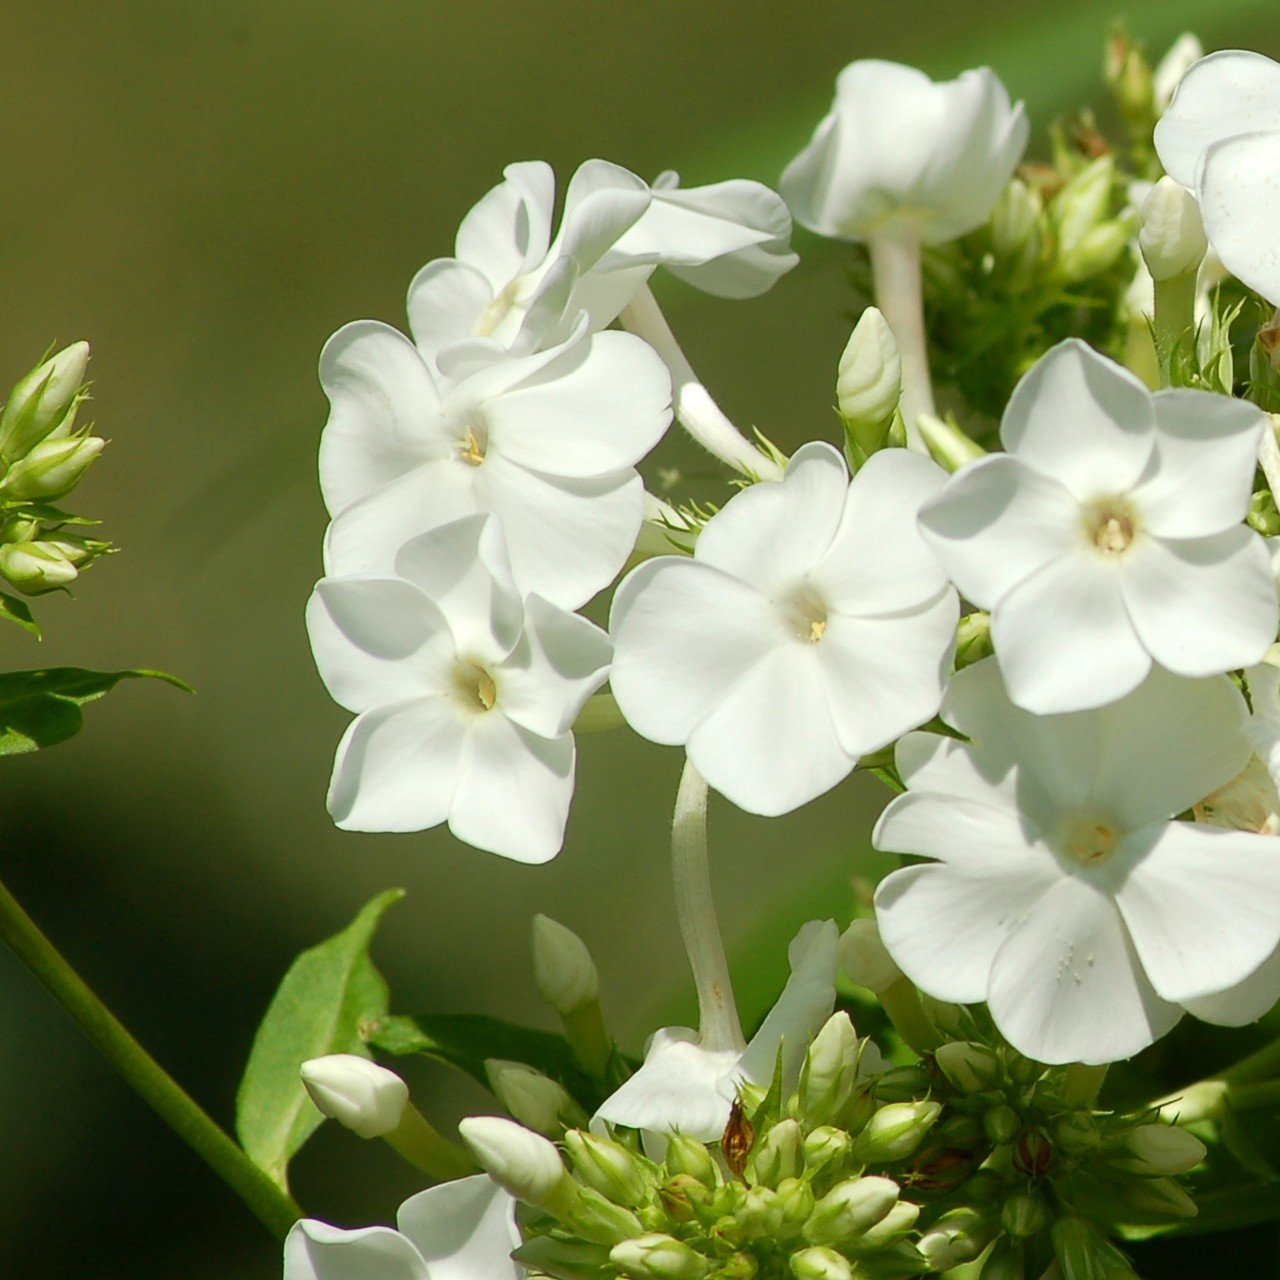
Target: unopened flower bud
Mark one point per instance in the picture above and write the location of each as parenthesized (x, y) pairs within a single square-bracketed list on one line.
[(1095, 252), (1001, 1123), (1185, 51), (537, 1101), (796, 1199), (1172, 238), (830, 1070), (864, 959), (689, 1156), (1160, 1149), (850, 1209), (36, 567), (1032, 1153), (819, 1263), (1083, 1253), (826, 1148), (973, 639), (1023, 1214), (869, 383), (562, 967), (738, 1266), (608, 1167), (1157, 1197), (779, 1154), (658, 1257), (366, 1098), (42, 401), (1129, 78), (1076, 1133), (51, 469), (761, 1214), (958, 1236), (595, 1217), (970, 1067), (1006, 1261), (895, 1131), (522, 1162), (1084, 203), (1015, 220), (893, 1226)]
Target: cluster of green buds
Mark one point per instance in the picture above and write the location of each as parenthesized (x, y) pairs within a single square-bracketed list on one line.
[(43, 456)]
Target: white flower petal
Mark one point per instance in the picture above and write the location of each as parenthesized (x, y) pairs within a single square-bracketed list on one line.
[(929, 762), (1066, 985), (1222, 96), (681, 1088), (1178, 499), (877, 562), (886, 675), (996, 523), (384, 416), (1202, 605), (769, 745), (397, 766), (316, 1251), (805, 1004), (507, 231), (447, 298), (684, 634), (773, 533), (943, 927), (464, 1229), (1246, 1002), (1064, 640), (601, 202), (1202, 906), (377, 640), (1239, 187), (1082, 419), (513, 790)]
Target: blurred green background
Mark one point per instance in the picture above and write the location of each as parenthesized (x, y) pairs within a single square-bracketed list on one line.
[(206, 191)]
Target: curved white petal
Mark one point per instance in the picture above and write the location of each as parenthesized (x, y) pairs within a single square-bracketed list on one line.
[(1066, 985), (513, 789), (1239, 185), (769, 745), (316, 1251), (681, 1088), (943, 926), (1200, 478), (1246, 1002), (684, 634), (447, 299), (1221, 96), (1202, 605), (877, 562), (601, 203), (384, 416), (772, 534), (397, 766), (1202, 906), (1082, 419), (997, 522), (507, 231), (1063, 637), (944, 766), (377, 640), (805, 1004), (464, 1229)]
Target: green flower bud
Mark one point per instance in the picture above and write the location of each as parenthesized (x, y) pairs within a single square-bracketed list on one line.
[(762, 1214), (827, 1148), (1032, 1153), (1015, 223), (958, 1236), (1172, 238), (537, 1101), (1097, 251), (658, 1257), (949, 447), (51, 469), (689, 1156), (1084, 1254), (1160, 1149), (830, 1070), (893, 1226), (850, 1209), (1001, 1123), (565, 974), (1076, 1133), (738, 1266), (1084, 203), (797, 1200), (869, 383), (36, 567), (43, 401), (518, 1160), (682, 1197), (779, 1155), (594, 1217), (972, 1068), (864, 959), (1004, 1262), (818, 1263), (1129, 78), (973, 639), (565, 1259), (1023, 1214), (1155, 1197), (895, 1131), (609, 1167)]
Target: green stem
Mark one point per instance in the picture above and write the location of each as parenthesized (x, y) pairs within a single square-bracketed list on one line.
[(270, 1204), (1084, 1084), (1175, 316)]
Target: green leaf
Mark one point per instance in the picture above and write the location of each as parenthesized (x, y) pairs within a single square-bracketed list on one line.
[(42, 708), (328, 997), (14, 610)]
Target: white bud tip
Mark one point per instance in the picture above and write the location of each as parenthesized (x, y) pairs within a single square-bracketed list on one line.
[(522, 1162), (864, 959), (532, 1098), (366, 1098), (1172, 238), (870, 379), (562, 967)]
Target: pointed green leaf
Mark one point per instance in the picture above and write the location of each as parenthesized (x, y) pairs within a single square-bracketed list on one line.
[(331, 993), (14, 610)]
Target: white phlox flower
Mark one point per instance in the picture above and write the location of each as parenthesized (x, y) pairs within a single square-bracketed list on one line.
[(465, 694), (686, 1087), (898, 148), (512, 282), (1110, 534), (547, 442), (463, 1230), (1221, 137), (1064, 894), (811, 626)]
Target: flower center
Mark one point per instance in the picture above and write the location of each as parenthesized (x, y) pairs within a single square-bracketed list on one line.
[(1109, 525), (806, 614), (1089, 841), (474, 442), (475, 686)]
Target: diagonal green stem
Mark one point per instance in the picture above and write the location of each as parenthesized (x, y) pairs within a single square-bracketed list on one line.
[(270, 1204)]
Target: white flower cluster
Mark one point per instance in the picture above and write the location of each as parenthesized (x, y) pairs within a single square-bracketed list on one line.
[(482, 483)]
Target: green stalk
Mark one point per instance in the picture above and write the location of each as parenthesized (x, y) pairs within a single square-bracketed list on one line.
[(272, 1206), (1175, 316)]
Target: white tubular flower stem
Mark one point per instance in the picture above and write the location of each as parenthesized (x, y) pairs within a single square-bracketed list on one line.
[(718, 1023), (696, 411), (1269, 457), (899, 289)]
